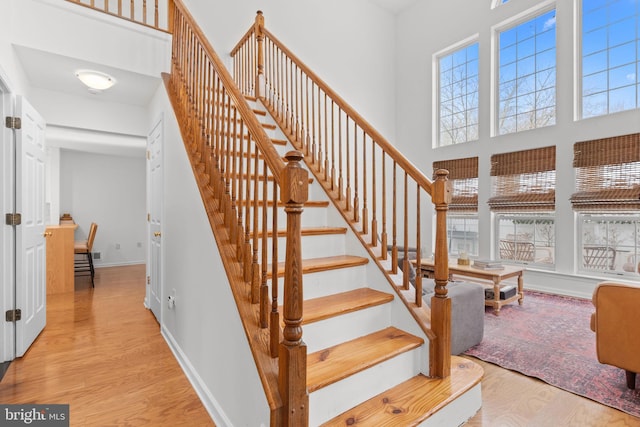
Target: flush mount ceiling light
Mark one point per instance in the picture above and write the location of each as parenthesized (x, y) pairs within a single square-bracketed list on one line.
[(96, 81)]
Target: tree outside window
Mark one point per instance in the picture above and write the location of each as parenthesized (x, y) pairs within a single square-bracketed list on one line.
[(527, 75)]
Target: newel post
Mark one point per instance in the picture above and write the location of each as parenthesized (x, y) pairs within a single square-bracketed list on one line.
[(440, 359), (294, 184), (259, 30)]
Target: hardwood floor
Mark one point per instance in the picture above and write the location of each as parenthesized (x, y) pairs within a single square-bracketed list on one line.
[(510, 399), (102, 353)]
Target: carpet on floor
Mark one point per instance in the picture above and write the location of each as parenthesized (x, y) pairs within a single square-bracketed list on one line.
[(549, 338)]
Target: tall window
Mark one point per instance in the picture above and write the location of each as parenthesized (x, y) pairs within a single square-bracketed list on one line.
[(607, 200), (523, 199), (610, 56), (458, 113), (527, 75), (462, 219)]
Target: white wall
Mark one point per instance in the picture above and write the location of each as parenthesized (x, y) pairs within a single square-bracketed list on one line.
[(110, 191), (204, 329), (349, 44), (429, 27)]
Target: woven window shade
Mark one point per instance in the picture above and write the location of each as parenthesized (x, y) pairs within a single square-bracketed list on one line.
[(463, 175), (607, 173), (524, 180)]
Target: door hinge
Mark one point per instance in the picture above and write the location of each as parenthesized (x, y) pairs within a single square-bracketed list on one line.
[(148, 155), (148, 217), (13, 219), (148, 280), (13, 122), (13, 315)]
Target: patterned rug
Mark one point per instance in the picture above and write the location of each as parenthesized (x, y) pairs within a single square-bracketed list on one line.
[(549, 338)]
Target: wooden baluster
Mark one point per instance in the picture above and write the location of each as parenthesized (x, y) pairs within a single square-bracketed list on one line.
[(275, 315), (247, 211), (228, 156), (348, 160), (291, 126), (241, 174), (418, 251), (374, 197), (234, 180), (155, 16), (394, 229), (171, 10), (326, 139), (106, 5), (293, 351), (255, 273), (405, 264), (307, 139), (144, 11), (383, 235), (340, 155), (313, 123), (264, 289), (440, 351), (259, 32), (333, 147), (365, 210), (132, 14), (356, 200), (92, 3), (280, 108)]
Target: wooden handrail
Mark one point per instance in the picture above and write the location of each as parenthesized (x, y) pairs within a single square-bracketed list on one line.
[(348, 156), (231, 152), (131, 17)]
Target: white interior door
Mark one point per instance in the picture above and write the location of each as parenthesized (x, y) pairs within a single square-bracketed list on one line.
[(155, 219), (31, 289)]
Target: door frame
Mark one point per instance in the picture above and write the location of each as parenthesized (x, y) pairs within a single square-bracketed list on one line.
[(7, 232)]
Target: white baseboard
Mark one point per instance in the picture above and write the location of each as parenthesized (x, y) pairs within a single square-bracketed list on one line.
[(211, 405)]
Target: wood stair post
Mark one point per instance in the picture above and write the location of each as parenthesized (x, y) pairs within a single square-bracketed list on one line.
[(294, 183), (440, 359), (260, 78)]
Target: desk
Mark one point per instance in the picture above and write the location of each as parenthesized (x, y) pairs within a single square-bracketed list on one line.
[(60, 256), (495, 276)]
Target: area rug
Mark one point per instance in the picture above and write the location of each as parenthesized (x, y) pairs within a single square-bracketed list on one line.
[(549, 338)]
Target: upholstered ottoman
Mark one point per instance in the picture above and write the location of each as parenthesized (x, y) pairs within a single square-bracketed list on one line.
[(467, 312)]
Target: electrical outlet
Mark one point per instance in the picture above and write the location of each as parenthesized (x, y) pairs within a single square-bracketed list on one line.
[(171, 300)]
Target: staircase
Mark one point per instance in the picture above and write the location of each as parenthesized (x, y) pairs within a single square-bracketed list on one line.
[(366, 356), (338, 335)]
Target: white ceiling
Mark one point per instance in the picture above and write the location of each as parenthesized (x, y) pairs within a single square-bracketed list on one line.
[(57, 73), (394, 6)]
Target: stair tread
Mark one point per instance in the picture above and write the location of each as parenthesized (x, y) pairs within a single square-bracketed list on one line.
[(279, 141), (268, 126), (321, 308), (330, 365), (313, 265), (310, 231), (413, 401), (259, 112)]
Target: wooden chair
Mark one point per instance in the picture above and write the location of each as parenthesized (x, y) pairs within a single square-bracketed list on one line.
[(84, 262), (517, 250), (599, 257)]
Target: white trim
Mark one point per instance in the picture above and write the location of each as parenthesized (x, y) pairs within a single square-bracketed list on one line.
[(206, 397)]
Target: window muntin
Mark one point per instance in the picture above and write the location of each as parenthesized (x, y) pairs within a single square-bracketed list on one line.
[(458, 91), (609, 244), (527, 75), (610, 56), (527, 238), (462, 234)]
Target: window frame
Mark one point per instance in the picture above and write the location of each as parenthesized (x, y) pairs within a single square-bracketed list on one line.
[(512, 22), (465, 217), (610, 216), (579, 104), (463, 44), (525, 216)]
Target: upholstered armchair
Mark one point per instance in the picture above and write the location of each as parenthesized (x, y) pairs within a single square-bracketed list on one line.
[(616, 323)]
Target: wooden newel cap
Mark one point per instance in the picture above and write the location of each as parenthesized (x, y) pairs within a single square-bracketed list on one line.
[(442, 188), (294, 181)]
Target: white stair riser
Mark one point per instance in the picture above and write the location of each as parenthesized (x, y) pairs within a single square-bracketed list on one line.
[(457, 412), (329, 332), (328, 282), (334, 399), (312, 246)]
